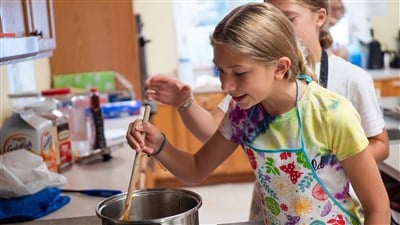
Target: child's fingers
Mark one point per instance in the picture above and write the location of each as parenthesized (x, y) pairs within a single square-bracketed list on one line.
[(134, 135)]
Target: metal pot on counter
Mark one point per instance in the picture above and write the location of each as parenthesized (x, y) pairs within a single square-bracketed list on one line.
[(152, 206)]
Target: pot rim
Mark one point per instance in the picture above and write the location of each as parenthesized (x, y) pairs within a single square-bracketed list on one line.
[(113, 198)]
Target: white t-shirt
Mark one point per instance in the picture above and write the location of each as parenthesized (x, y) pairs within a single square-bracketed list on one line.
[(353, 83), (356, 85)]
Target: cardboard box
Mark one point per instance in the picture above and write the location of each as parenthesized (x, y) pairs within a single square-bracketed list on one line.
[(102, 80), (32, 132)]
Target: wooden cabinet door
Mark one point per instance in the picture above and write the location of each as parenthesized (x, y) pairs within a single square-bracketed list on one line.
[(12, 17), (29, 17), (41, 23), (96, 36), (390, 87)]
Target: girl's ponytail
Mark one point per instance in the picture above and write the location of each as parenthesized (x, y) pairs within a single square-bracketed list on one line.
[(306, 61), (325, 38)]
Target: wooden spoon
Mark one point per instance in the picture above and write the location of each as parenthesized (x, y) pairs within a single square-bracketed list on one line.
[(134, 173)]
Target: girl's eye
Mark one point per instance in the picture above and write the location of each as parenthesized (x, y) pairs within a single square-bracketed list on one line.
[(291, 18), (239, 73)]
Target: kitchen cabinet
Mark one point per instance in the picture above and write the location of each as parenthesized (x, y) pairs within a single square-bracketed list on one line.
[(96, 36), (235, 169), (388, 87), (30, 18)]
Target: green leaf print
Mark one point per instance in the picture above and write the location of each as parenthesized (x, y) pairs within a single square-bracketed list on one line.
[(265, 183), (301, 158), (272, 205), (271, 168)]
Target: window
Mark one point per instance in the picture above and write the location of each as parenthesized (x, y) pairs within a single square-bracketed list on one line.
[(200, 19)]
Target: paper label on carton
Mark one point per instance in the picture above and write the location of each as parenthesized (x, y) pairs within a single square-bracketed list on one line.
[(29, 131)]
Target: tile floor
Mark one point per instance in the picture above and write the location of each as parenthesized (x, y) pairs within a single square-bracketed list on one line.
[(224, 203)]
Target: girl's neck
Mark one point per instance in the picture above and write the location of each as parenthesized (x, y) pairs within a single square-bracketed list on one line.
[(316, 51), (285, 100)]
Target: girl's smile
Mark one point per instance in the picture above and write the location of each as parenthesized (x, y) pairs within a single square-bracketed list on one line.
[(238, 98)]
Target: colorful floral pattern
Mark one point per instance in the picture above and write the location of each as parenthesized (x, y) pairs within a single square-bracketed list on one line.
[(297, 179)]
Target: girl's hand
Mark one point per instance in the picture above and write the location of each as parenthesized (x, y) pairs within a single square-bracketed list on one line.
[(167, 90), (153, 137)]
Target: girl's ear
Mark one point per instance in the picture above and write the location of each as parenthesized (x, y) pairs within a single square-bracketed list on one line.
[(322, 17), (282, 66)]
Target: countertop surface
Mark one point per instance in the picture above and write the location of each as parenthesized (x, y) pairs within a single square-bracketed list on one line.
[(85, 220), (385, 74), (391, 165), (94, 220)]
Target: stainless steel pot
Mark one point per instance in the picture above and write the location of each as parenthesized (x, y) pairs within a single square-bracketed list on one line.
[(152, 206)]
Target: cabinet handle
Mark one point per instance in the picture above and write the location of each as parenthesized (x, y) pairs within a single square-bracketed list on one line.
[(36, 33)]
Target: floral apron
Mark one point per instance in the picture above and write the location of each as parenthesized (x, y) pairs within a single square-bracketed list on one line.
[(292, 192)]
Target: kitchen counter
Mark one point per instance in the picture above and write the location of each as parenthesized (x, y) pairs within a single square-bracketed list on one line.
[(94, 220), (85, 220), (113, 174), (391, 165), (385, 74)]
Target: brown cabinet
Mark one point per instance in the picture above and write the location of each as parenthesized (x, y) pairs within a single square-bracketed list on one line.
[(96, 36), (235, 169), (388, 87), (29, 17)]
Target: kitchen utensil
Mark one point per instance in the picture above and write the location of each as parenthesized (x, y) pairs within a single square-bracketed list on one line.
[(153, 206), (134, 173), (94, 192), (375, 54)]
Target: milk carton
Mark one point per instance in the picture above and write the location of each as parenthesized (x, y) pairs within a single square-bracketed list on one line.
[(30, 131)]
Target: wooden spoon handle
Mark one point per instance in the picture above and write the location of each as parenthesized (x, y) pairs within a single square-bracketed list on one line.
[(134, 172)]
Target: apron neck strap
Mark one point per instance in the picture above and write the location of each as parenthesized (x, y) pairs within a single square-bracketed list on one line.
[(323, 72)]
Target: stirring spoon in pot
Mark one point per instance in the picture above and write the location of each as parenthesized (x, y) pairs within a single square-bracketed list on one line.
[(134, 173)]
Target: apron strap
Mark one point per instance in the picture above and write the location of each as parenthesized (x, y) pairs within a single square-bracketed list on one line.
[(323, 72)]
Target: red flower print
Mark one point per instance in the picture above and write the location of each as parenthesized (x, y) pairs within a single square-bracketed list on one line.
[(293, 174), (338, 220), (284, 207), (285, 155)]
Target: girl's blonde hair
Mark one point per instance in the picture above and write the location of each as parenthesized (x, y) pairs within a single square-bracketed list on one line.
[(325, 38), (265, 34)]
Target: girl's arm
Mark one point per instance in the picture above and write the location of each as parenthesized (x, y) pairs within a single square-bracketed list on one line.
[(170, 91), (187, 167), (366, 180), (379, 146), (200, 122)]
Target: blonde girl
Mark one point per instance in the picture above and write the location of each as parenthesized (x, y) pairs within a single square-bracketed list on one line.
[(305, 143)]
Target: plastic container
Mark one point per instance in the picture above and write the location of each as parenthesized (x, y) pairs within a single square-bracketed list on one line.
[(64, 103), (121, 109), (80, 127), (61, 132)]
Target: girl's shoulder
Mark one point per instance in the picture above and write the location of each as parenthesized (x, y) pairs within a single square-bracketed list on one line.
[(344, 71), (326, 100)]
